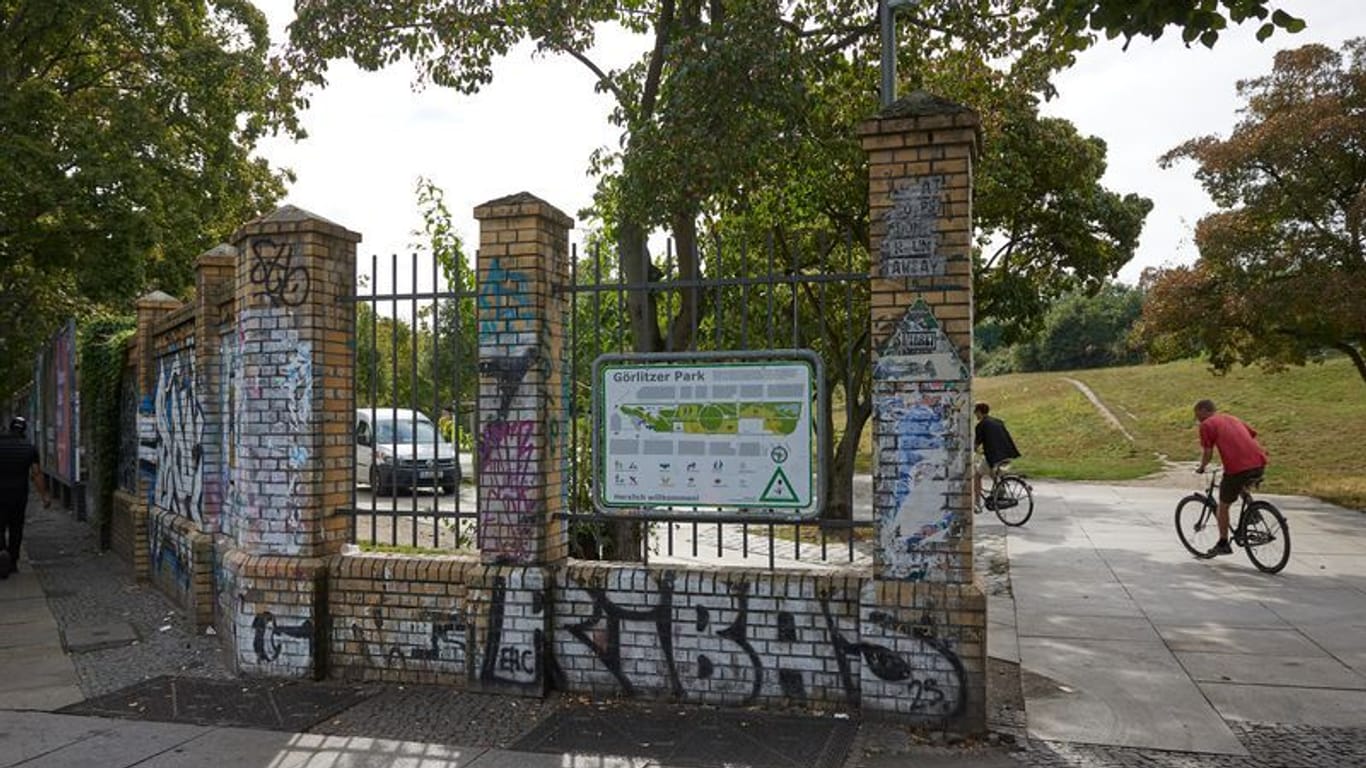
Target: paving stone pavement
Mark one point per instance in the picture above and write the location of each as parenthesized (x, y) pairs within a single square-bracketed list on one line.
[(87, 588)]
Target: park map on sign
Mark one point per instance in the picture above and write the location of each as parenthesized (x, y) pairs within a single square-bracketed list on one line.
[(718, 418)]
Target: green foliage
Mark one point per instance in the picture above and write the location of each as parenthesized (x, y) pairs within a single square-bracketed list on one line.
[(1046, 225), (1202, 21), (129, 129), (1281, 277), (1085, 331), (428, 364), (99, 350)]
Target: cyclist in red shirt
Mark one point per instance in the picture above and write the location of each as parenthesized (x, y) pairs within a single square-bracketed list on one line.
[(1244, 461)]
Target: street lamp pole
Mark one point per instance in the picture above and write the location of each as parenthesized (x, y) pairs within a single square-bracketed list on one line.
[(887, 13)]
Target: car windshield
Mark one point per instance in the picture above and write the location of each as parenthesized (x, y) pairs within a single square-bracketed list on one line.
[(405, 431)]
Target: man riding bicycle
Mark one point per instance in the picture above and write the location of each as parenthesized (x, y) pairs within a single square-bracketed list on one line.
[(997, 447), (1243, 458)]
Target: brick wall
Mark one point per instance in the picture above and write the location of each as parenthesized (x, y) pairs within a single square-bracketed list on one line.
[(399, 619), (717, 636)]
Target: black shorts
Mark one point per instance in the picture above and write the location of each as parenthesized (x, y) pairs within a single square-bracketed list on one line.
[(1231, 486)]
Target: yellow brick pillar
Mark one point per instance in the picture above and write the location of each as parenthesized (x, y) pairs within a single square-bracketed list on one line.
[(922, 603), (523, 272), (523, 451), (150, 310), (290, 379)]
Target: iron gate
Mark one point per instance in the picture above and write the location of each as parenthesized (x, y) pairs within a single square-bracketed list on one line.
[(417, 364)]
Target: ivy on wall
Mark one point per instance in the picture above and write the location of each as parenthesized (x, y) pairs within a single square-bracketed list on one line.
[(99, 352)]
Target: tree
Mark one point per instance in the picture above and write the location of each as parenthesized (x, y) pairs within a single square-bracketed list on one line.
[(1201, 21), (1281, 276), (737, 118), (1085, 330), (126, 134)]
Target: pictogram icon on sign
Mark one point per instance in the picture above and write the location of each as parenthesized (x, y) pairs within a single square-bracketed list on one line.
[(779, 489)]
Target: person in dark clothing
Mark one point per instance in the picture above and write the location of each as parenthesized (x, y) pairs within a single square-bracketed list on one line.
[(992, 437), (18, 466)]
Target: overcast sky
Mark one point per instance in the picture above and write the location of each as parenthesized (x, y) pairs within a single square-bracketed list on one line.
[(371, 136)]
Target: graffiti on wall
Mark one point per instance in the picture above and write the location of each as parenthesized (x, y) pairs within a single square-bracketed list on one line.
[(917, 349), (503, 300), (920, 400), (922, 429), (507, 474), (911, 246), (270, 638), (435, 641), (128, 434), (913, 670), (269, 434), (513, 641), (509, 455), (275, 275), (739, 643), (179, 420), (169, 560)]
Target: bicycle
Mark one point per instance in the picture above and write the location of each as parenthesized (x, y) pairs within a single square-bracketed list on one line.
[(1261, 527), (1010, 497)]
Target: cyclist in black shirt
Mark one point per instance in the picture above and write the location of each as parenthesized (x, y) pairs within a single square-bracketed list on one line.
[(997, 446), (18, 465)]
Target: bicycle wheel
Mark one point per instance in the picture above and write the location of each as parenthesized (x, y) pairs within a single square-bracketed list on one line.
[(1266, 537), (1196, 524), (1012, 500)]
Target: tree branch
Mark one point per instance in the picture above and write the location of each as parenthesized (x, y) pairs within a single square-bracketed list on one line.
[(653, 74), (603, 78)]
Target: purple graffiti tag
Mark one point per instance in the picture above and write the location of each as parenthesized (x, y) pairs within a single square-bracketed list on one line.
[(507, 474)]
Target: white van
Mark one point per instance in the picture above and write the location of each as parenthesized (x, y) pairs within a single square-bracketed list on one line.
[(402, 448)]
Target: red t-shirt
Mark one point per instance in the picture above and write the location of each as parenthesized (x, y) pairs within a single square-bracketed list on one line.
[(1236, 441)]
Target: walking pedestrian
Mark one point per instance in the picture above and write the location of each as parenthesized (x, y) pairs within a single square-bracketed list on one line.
[(18, 466)]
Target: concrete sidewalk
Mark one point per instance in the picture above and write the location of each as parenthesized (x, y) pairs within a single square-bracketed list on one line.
[(1124, 639), (35, 672)]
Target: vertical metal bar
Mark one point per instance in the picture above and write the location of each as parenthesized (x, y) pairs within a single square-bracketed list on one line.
[(770, 284), (772, 544), (887, 17), (438, 438), (694, 297), (622, 312), (393, 408), (851, 387), (669, 295), (457, 288), (744, 294), (718, 312), (573, 343), (413, 398), (373, 362)]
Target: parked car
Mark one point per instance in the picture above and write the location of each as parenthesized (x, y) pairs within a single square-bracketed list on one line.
[(402, 448)]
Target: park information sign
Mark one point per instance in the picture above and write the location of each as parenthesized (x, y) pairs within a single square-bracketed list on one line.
[(706, 435)]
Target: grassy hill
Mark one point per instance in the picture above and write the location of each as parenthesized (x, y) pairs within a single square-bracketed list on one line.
[(1311, 420)]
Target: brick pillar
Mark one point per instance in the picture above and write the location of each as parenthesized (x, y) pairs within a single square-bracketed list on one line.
[(215, 284), (922, 601), (523, 315), (150, 310), (523, 267), (292, 463)]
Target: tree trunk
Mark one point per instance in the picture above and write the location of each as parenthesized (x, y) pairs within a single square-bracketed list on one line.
[(683, 327), (641, 303), (1355, 356), (840, 505)]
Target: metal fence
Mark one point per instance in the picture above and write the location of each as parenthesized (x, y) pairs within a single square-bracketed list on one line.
[(417, 350)]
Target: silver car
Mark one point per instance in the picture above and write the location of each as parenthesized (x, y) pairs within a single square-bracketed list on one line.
[(402, 448)]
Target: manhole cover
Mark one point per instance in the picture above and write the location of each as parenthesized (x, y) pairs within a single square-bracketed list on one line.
[(93, 637), (271, 704), (688, 736)]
